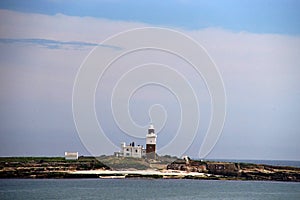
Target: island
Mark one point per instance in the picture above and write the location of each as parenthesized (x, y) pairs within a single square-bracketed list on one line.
[(166, 167)]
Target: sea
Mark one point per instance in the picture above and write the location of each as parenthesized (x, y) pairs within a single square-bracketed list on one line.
[(138, 189), (156, 189)]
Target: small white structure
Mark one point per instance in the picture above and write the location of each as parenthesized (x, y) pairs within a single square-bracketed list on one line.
[(71, 155)]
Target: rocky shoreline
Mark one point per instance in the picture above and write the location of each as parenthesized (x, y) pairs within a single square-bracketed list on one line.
[(89, 167), (238, 171)]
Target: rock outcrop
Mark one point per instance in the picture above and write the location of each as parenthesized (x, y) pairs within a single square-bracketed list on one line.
[(239, 171)]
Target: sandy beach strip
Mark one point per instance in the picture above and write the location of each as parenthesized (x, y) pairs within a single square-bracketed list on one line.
[(164, 173)]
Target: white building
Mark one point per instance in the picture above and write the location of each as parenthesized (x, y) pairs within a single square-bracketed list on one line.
[(71, 155), (131, 151), (139, 151)]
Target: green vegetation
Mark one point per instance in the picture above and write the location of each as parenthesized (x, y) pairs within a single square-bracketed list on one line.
[(136, 163), (47, 159), (31, 159), (88, 162), (124, 163), (45, 167)]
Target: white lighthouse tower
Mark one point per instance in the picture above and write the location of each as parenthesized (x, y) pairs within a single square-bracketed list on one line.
[(151, 143)]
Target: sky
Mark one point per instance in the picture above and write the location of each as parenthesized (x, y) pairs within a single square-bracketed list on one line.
[(254, 44)]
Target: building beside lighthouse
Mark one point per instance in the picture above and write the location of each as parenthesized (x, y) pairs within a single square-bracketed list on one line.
[(138, 151), (131, 151)]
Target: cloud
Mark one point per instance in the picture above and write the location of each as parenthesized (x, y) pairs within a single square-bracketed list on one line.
[(40, 55), (53, 44)]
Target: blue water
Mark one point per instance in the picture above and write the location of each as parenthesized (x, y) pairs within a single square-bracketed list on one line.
[(137, 189)]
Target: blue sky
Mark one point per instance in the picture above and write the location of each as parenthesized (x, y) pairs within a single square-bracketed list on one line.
[(255, 44), (279, 16)]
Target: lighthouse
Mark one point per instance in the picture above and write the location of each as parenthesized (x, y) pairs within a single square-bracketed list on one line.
[(151, 143), (138, 151)]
